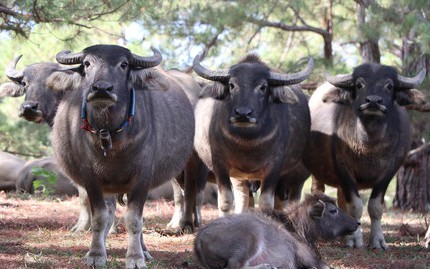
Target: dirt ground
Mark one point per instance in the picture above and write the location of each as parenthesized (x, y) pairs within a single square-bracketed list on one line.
[(34, 233)]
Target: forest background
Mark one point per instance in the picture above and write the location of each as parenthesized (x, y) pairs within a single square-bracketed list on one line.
[(339, 35)]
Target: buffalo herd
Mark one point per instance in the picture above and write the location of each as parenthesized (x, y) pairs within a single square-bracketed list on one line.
[(122, 125)]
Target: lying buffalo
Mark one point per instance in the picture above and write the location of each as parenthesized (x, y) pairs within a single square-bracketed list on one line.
[(10, 165), (26, 178), (279, 239)]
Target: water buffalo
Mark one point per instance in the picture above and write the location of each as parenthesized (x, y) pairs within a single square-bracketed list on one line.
[(360, 135), (125, 127), (277, 239), (251, 123), (10, 165), (61, 186), (40, 102)]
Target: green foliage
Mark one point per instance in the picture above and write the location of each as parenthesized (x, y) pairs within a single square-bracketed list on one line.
[(45, 180), (228, 29)]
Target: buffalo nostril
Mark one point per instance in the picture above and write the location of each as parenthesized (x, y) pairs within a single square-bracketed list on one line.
[(30, 106), (102, 86), (374, 99), (358, 223), (243, 111)]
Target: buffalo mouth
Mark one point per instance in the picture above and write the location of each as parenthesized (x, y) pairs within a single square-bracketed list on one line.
[(243, 121), (373, 109), (103, 98), (32, 115)]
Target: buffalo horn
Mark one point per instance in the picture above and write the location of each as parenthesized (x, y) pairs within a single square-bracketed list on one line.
[(66, 57), (340, 81), (277, 79), (214, 75), (12, 73), (410, 83), (146, 62)]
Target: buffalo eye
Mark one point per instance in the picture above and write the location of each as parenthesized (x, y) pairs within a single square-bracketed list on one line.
[(23, 83), (389, 85), (359, 84), (263, 88), (124, 65), (333, 211), (231, 86), (87, 63)]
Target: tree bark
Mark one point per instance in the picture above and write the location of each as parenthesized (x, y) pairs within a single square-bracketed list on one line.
[(413, 181), (369, 47)]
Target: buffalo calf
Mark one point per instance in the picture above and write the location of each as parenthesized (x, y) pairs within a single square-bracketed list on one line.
[(283, 240)]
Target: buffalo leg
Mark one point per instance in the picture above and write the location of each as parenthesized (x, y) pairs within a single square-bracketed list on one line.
[(268, 187), (178, 198), (241, 194), (427, 237), (135, 257), (317, 186), (97, 256), (225, 194), (353, 205), (375, 208), (84, 220)]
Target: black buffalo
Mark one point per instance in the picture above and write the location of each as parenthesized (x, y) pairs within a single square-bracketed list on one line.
[(254, 125), (125, 127), (40, 102), (360, 136)]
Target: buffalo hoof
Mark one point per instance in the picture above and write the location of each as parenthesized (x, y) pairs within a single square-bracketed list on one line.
[(355, 240), (96, 260), (147, 255), (378, 243), (187, 228), (132, 263)]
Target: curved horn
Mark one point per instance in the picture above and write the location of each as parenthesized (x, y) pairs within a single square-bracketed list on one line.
[(66, 57), (12, 73), (146, 62), (340, 81), (214, 75), (409, 83), (277, 79)]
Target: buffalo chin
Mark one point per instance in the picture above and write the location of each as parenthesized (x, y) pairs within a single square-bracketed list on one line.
[(33, 117)]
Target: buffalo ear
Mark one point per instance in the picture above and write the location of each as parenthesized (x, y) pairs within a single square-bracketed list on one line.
[(152, 78), (285, 95), (11, 89), (316, 210), (410, 97), (63, 80), (215, 90), (337, 95)]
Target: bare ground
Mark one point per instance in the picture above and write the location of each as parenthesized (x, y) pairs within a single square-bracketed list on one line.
[(34, 233)]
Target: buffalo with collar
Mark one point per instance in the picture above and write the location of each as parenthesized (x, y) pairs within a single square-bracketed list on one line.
[(251, 123), (125, 127), (360, 136)]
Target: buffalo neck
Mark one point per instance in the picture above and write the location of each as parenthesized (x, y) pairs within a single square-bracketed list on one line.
[(105, 134)]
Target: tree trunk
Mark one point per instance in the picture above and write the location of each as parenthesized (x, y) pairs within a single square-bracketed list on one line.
[(369, 47), (413, 181)]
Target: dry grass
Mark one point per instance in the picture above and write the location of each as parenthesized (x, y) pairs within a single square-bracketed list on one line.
[(34, 233)]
